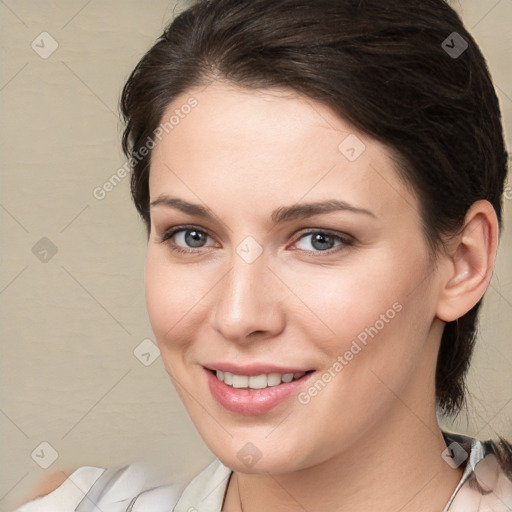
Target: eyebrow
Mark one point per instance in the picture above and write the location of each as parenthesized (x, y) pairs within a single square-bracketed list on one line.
[(282, 214)]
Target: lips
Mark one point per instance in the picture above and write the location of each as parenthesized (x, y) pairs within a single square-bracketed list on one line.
[(245, 391)]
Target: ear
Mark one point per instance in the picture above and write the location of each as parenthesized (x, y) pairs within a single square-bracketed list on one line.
[(468, 262)]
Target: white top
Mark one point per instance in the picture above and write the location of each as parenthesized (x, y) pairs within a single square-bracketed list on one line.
[(128, 489)]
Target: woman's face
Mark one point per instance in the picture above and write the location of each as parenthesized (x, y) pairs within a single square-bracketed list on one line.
[(282, 242)]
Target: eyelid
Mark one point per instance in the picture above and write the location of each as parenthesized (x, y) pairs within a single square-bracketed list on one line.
[(344, 238), (170, 232), (325, 231), (165, 237)]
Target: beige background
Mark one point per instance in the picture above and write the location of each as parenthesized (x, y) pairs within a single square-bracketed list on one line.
[(70, 325)]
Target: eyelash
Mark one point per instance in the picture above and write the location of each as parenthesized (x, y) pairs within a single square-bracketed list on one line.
[(345, 240)]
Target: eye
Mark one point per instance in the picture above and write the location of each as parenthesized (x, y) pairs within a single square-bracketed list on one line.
[(322, 241), (190, 239), (185, 239)]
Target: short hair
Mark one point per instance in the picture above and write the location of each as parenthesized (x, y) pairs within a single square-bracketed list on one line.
[(406, 73)]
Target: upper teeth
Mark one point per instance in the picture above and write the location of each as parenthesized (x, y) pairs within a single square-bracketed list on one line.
[(256, 381)]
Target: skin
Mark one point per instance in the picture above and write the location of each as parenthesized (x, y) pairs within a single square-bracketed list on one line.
[(371, 435)]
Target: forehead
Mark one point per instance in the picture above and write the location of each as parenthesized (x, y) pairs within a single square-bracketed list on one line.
[(269, 147)]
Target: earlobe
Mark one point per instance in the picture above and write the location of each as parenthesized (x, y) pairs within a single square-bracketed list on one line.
[(469, 265)]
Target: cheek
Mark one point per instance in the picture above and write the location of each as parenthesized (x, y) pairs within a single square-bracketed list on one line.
[(379, 320), (173, 296), (373, 316), (338, 305)]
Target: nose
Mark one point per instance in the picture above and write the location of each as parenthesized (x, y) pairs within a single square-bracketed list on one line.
[(248, 304)]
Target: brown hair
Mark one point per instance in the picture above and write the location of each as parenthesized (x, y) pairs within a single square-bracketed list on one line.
[(389, 67)]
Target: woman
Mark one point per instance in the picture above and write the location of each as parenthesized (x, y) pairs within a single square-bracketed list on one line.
[(321, 183)]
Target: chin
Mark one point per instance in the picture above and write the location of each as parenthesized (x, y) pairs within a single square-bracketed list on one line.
[(273, 465), (259, 457)]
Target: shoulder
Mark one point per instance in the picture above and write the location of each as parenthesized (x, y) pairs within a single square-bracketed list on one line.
[(486, 483), (91, 489), (68, 494), (207, 490)]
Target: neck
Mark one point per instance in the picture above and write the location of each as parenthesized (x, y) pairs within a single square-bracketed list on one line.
[(397, 466)]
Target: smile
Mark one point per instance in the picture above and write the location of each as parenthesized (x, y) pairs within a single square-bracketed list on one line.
[(257, 393), (256, 381)]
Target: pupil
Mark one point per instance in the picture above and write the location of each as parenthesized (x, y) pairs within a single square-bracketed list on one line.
[(321, 241), (194, 238)]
